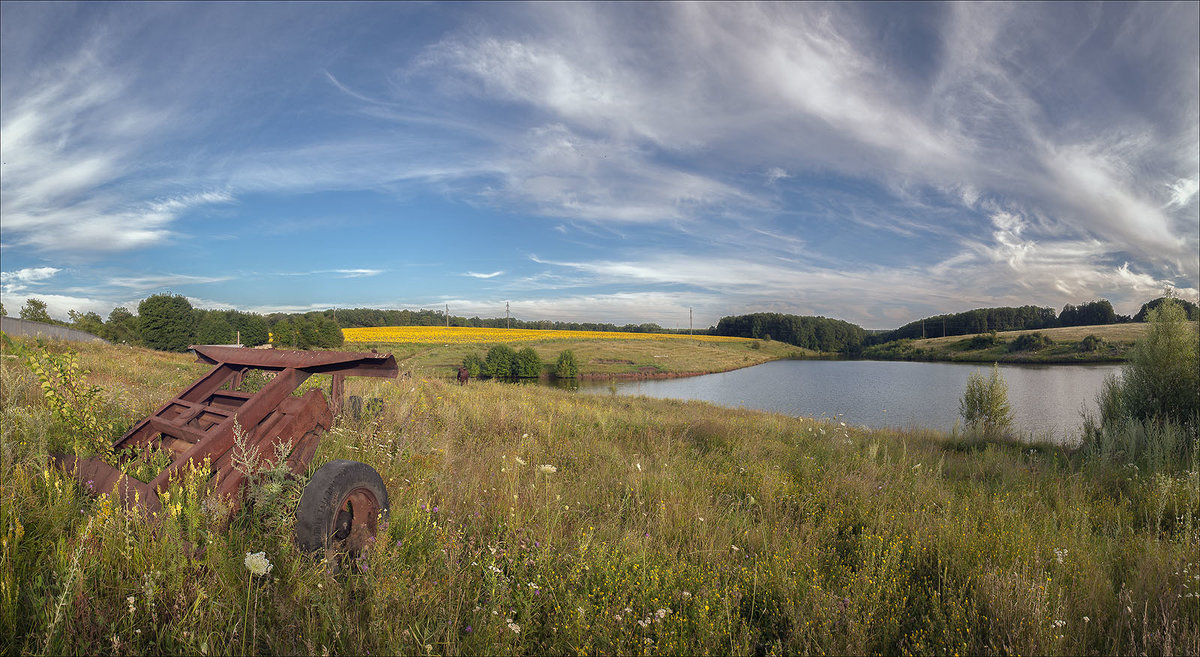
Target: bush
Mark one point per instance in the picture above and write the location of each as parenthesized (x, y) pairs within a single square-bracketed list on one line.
[(1030, 342), (566, 367), (984, 406), (982, 341), (1149, 415), (501, 362), (474, 364), (1161, 381), (1090, 343), (529, 366)]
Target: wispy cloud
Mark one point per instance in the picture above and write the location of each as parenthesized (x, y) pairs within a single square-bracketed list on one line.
[(166, 280), (473, 274)]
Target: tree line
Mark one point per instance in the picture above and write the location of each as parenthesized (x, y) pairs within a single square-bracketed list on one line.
[(372, 317), (169, 323), (816, 333), (984, 320)]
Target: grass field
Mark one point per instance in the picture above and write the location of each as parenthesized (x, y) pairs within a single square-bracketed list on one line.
[(438, 351), (1115, 342), (661, 527), (1119, 333)]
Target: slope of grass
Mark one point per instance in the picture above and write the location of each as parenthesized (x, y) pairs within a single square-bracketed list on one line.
[(661, 527), (599, 357), (1115, 342)]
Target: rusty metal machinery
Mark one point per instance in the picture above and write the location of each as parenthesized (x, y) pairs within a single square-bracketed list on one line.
[(198, 424)]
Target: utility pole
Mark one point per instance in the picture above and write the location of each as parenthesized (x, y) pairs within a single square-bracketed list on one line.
[(507, 321), (447, 315), (689, 320)]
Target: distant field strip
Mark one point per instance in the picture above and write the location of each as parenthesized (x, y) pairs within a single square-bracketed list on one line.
[(469, 335)]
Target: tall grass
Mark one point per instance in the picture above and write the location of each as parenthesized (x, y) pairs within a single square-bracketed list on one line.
[(660, 527)]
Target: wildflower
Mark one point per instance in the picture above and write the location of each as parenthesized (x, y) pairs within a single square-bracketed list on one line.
[(428, 648), (520, 461), (468, 630), (131, 600), (1086, 619), (257, 563), (514, 627), (548, 469), (638, 466)]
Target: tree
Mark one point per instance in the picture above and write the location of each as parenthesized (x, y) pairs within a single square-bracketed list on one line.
[(529, 365), (88, 322), (214, 328), (166, 322), (566, 367), (1161, 380), (984, 406), (34, 310), (3, 310), (121, 327), (500, 362)]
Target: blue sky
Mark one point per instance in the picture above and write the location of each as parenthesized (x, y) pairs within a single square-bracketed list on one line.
[(615, 162)]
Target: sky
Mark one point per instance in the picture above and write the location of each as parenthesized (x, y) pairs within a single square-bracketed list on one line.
[(618, 162)]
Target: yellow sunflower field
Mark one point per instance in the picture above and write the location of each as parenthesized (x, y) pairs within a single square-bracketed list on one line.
[(472, 335)]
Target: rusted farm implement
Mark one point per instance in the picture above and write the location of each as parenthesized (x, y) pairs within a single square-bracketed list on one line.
[(340, 505)]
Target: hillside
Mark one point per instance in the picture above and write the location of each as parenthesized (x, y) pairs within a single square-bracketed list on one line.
[(1068, 344)]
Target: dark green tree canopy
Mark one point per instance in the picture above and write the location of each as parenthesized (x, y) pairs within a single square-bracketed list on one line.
[(529, 365), (166, 322)]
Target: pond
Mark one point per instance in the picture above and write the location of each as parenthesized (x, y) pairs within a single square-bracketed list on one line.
[(1047, 400)]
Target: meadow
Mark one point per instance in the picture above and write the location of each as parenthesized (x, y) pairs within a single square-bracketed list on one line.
[(438, 351), (1112, 343), (529, 520)]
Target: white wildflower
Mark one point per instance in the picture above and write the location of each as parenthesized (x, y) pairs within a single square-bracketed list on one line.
[(258, 564), (514, 627), (520, 461), (548, 469), (638, 466)]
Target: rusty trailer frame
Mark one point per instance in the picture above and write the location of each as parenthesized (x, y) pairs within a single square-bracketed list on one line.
[(198, 424)]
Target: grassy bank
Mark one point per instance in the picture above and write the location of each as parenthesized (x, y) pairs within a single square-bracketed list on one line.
[(1108, 343), (601, 357), (662, 527)]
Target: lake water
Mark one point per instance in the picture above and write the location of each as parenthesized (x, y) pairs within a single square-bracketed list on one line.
[(1046, 399)]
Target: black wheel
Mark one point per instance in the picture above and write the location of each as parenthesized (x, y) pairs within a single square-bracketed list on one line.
[(340, 508)]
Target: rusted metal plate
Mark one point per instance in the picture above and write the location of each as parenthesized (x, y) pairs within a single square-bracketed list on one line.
[(199, 423)]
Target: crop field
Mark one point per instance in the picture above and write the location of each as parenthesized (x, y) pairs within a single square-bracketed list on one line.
[(447, 335)]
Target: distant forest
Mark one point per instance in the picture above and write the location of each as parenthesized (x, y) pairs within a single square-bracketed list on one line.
[(169, 322), (816, 333)]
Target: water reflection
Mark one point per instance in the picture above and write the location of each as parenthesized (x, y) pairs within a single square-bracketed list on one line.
[(1047, 400)]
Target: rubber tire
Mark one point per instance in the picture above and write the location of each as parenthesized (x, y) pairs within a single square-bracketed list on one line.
[(323, 498)]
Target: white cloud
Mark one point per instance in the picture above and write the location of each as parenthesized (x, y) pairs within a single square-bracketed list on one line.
[(484, 276), (165, 280)]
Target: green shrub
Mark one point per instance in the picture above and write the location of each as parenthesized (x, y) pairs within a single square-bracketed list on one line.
[(984, 406), (1090, 343), (528, 365), (1030, 342), (566, 367), (982, 341), (501, 362), (1161, 380), (474, 364), (1149, 416)]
